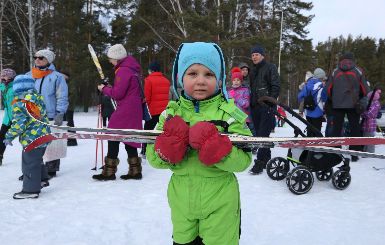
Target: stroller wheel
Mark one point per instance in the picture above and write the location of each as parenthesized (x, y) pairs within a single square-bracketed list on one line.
[(299, 180), (324, 175), (277, 168), (341, 179)]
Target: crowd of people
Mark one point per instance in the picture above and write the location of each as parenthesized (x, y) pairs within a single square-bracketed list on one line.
[(203, 192)]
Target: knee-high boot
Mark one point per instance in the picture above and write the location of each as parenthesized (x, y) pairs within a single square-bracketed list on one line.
[(134, 169), (109, 170)]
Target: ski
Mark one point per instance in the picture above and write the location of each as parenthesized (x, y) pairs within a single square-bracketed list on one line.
[(343, 151), (236, 139), (142, 136)]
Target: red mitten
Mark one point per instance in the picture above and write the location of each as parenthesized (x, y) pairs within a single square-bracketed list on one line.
[(211, 145), (172, 144)]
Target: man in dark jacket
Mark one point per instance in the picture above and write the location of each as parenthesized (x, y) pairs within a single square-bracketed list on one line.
[(345, 88), (264, 81)]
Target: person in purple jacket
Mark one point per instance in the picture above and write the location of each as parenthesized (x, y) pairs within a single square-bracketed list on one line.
[(126, 91), (369, 123)]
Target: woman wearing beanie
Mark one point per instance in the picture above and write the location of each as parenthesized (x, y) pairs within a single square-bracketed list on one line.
[(7, 76), (203, 192), (28, 129), (126, 91), (53, 87)]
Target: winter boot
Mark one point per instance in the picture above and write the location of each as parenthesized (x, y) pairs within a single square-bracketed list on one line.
[(355, 158), (44, 183), (72, 142), (25, 195), (109, 170), (258, 167), (134, 169)]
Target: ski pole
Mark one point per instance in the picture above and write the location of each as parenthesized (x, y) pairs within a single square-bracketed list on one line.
[(101, 142), (97, 141)]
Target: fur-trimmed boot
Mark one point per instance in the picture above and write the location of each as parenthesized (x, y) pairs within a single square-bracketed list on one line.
[(134, 168), (109, 170)]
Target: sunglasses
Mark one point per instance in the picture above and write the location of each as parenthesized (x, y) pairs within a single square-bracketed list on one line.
[(5, 80), (40, 57)]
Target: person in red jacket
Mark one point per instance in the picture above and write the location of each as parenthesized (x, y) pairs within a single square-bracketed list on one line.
[(156, 91)]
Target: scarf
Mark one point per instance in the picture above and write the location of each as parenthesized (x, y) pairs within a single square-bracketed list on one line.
[(37, 73)]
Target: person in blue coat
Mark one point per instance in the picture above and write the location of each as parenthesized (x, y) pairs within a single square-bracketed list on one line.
[(53, 87), (314, 86)]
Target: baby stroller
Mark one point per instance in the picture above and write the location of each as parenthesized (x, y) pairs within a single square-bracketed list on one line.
[(300, 178)]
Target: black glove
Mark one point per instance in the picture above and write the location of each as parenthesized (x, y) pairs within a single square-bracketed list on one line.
[(104, 81), (58, 120)]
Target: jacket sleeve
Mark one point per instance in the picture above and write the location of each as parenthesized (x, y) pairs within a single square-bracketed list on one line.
[(301, 94), (274, 81), (61, 94), (19, 121), (147, 90), (373, 111), (121, 84)]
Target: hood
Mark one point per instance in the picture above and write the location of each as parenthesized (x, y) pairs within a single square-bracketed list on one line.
[(346, 64), (207, 54), (129, 62)]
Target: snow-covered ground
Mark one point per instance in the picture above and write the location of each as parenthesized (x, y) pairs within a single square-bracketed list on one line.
[(76, 210)]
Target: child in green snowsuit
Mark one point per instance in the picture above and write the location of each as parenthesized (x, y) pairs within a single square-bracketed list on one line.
[(203, 192)]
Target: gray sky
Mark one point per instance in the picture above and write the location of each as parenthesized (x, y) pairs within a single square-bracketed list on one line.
[(342, 17)]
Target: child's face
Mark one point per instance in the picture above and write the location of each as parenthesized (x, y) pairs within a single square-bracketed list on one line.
[(245, 71), (199, 82), (236, 82)]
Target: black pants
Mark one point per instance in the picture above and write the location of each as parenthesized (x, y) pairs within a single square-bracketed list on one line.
[(105, 121), (316, 122), (113, 150), (149, 125), (263, 124), (3, 131), (354, 124), (69, 117)]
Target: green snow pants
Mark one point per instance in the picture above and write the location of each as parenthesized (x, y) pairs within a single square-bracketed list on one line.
[(208, 207)]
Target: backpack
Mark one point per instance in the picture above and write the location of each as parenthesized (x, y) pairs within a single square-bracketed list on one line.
[(308, 102)]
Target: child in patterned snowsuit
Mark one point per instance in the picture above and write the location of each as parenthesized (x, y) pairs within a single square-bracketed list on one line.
[(28, 129), (369, 123), (240, 94), (203, 192)]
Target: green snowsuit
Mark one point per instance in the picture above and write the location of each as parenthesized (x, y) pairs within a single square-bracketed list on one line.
[(204, 200)]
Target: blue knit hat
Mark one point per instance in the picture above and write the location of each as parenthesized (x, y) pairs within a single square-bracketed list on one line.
[(23, 83), (207, 54), (154, 66), (258, 49)]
